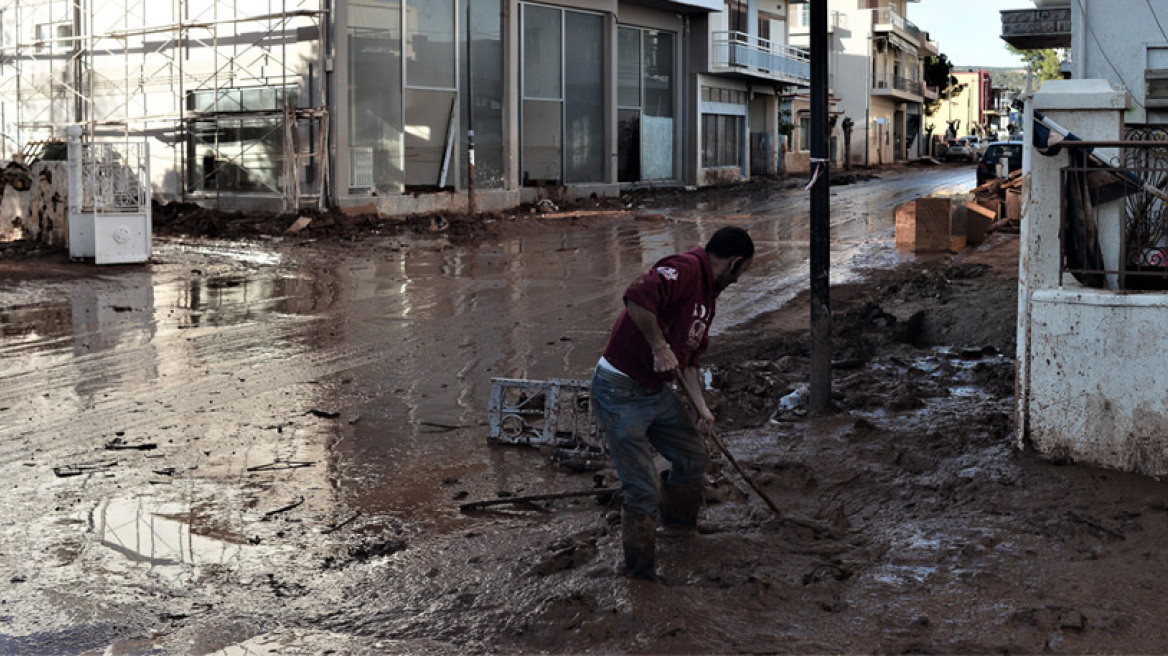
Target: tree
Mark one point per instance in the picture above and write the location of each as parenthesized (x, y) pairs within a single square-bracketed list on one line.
[(1046, 64), (847, 125), (939, 73)]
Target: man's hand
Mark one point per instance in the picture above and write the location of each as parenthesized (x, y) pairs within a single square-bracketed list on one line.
[(706, 422), (692, 385), (663, 358)]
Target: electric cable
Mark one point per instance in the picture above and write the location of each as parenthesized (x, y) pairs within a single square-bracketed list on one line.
[(1157, 18), (1103, 51)]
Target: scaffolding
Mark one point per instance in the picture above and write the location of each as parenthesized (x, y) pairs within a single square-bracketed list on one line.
[(233, 93)]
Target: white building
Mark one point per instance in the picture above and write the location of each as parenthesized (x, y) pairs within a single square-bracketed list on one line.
[(1093, 279), (749, 68), (282, 104), (876, 72)]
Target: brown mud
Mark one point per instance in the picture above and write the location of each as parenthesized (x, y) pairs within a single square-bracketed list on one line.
[(337, 225), (251, 462)]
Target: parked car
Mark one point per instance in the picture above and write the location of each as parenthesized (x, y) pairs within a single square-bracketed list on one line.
[(978, 144), (987, 166), (961, 149)]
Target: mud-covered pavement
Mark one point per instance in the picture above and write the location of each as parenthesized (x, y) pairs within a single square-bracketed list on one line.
[(261, 446)]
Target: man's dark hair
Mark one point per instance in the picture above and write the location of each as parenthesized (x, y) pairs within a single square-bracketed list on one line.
[(730, 242)]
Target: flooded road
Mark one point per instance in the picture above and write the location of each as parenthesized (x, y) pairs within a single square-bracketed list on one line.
[(227, 423)]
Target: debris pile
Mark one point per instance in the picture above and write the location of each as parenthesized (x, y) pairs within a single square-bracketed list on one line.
[(1002, 197)]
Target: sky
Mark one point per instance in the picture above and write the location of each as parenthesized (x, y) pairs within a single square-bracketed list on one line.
[(968, 31)]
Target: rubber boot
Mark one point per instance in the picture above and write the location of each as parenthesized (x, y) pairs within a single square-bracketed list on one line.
[(680, 503), (639, 536)]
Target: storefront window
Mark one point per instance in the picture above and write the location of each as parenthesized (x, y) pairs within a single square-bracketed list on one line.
[(242, 153), (564, 99), (722, 140), (645, 91), (485, 63), (584, 101), (376, 123)]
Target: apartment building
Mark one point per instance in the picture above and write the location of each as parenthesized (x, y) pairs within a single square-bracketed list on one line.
[(963, 109), (749, 69), (876, 72), (284, 104)]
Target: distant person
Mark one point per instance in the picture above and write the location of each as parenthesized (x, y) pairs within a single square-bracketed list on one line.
[(663, 328), (210, 169)]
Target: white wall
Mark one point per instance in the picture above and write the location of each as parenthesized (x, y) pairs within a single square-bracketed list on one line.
[(1090, 361), (1110, 40)]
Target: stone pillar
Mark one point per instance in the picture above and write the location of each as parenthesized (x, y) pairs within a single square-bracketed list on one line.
[(1092, 110)]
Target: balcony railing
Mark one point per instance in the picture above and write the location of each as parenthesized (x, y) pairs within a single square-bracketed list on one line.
[(897, 83), (889, 16), (1141, 263), (760, 57), (931, 93)]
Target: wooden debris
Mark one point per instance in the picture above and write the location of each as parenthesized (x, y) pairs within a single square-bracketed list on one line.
[(286, 508), (77, 470), (477, 505)]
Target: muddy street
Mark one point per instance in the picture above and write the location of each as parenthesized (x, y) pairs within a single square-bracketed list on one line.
[(262, 446)]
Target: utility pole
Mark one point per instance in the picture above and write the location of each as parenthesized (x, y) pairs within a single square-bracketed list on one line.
[(470, 144), (820, 217)]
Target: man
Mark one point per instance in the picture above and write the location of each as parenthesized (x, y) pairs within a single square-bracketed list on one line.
[(663, 329)]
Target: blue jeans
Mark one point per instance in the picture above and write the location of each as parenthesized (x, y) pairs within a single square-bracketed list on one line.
[(635, 422)]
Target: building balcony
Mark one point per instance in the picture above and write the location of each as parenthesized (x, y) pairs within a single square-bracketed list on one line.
[(800, 23), (931, 93), (746, 55), (898, 87), (886, 19), (929, 47), (1036, 29)]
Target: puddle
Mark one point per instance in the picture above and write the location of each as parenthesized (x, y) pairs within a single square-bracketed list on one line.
[(240, 252), (900, 575), (967, 391), (169, 539)]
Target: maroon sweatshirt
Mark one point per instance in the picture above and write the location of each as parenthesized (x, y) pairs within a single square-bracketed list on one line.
[(679, 289)]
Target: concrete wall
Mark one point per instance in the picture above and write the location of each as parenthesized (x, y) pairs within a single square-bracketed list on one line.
[(1097, 379), (1114, 39), (1090, 361), (39, 213)]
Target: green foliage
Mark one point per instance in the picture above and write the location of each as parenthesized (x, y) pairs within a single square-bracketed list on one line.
[(938, 72), (1045, 64), (786, 127)]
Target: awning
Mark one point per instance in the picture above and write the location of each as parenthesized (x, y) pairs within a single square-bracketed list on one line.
[(900, 44)]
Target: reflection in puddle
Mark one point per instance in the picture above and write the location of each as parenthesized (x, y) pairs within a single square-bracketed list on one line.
[(967, 391), (249, 254), (165, 536), (109, 319)]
